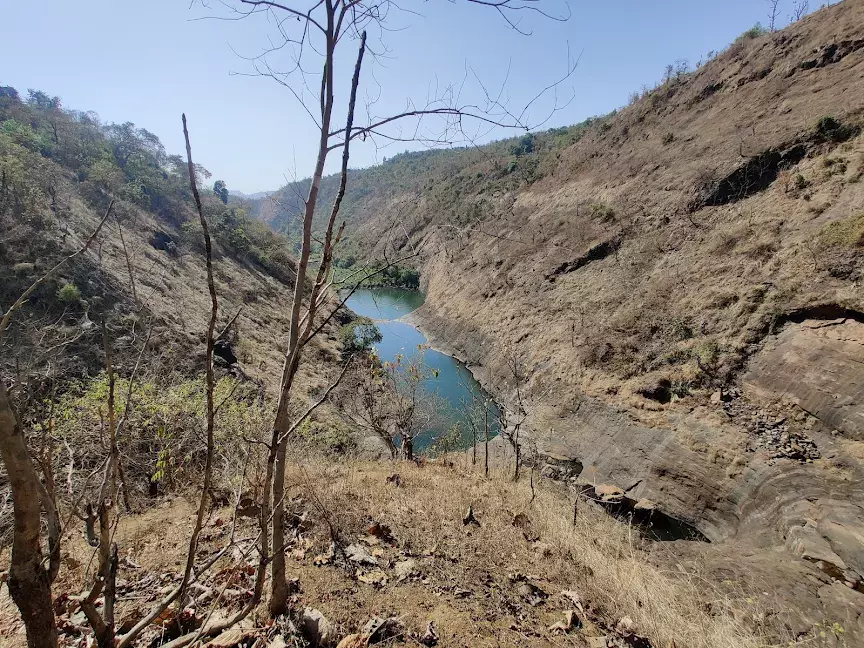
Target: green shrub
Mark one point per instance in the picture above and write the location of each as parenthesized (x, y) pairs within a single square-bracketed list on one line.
[(68, 293), (359, 336), (755, 31)]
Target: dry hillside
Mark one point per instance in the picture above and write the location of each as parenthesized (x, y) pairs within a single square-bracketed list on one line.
[(680, 283)]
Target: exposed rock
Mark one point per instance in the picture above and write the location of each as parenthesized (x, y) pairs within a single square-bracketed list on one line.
[(357, 553), (820, 365), (608, 493), (317, 629), (430, 637)]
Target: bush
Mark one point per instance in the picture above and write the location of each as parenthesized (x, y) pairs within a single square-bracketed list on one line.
[(755, 31), (668, 138), (359, 336), (601, 211), (848, 232), (68, 293), (832, 130)]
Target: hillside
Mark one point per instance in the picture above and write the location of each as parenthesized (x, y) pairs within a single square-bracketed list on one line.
[(666, 298), (679, 283)]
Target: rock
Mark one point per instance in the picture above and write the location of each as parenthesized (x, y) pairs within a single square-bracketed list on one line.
[(806, 543), (596, 642), (430, 637), (316, 629), (717, 397), (563, 627), (354, 641), (357, 553), (608, 493), (644, 505), (405, 569)]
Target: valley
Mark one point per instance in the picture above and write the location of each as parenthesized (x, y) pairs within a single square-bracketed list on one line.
[(597, 385)]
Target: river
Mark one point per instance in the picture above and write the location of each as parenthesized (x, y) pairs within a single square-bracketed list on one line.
[(454, 388)]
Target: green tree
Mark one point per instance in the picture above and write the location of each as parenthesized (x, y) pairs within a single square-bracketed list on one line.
[(221, 190)]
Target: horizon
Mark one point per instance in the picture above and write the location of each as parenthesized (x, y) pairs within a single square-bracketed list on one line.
[(146, 83)]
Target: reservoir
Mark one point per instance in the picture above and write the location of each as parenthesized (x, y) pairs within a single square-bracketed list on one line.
[(459, 397)]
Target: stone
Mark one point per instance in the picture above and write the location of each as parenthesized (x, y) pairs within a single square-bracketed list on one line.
[(608, 493), (405, 569), (317, 629), (357, 553)]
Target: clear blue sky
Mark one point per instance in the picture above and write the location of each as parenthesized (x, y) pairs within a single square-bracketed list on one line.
[(147, 62)]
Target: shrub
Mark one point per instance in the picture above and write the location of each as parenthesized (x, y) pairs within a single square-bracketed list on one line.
[(668, 138), (68, 293), (358, 336), (601, 211), (833, 130), (847, 232), (755, 31)]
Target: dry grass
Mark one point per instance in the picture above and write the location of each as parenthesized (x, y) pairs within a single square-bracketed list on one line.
[(601, 558)]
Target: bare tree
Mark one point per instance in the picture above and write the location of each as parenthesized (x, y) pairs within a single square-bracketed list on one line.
[(510, 420), (313, 35), (773, 11), (800, 9), (29, 579)]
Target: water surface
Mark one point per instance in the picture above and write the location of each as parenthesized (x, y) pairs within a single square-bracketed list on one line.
[(454, 389)]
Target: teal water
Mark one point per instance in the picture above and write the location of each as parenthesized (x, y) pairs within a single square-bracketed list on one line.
[(454, 390)]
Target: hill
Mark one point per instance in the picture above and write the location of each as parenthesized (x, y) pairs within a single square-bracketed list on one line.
[(678, 283)]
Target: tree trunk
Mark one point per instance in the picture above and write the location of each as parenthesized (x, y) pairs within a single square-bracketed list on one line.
[(279, 586), (29, 583), (407, 448), (486, 443)]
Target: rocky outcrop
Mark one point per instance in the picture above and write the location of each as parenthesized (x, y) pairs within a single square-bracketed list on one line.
[(819, 365)]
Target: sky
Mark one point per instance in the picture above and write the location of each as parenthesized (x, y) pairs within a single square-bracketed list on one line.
[(147, 62)]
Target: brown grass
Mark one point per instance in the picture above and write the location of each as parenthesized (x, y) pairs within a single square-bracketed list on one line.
[(602, 559)]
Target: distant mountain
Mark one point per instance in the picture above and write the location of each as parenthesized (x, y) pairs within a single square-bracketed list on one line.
[(258, 195)]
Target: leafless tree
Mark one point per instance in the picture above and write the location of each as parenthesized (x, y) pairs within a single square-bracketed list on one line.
[(773, 11), (800, 9), (510, 420), (313, 35), (29, 578)]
